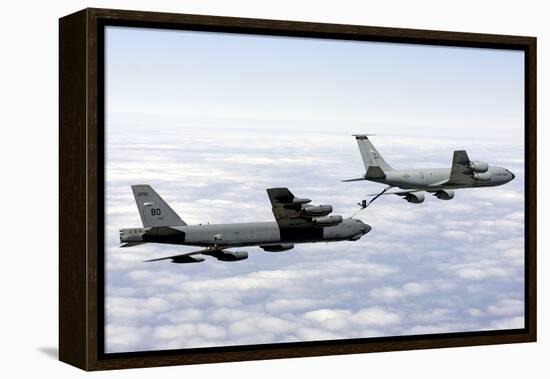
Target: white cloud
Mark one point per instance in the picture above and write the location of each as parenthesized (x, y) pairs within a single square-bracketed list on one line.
[(440, 266), (292, 305), (315, 334), (393, 294), (506, 307), (172, 331), (509, 323), (376, 316), (260, 323), (341, 318), (125, 338), (479, 274), (323, 315), (442, 328), (182, 316), (474, 312)]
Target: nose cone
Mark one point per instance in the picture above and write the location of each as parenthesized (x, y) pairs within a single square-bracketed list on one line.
[(512, 176), (365, 228)]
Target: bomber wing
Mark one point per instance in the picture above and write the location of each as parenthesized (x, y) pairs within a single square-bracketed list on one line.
[(183, 258), (216, 252), (461, 173), (291, 211)]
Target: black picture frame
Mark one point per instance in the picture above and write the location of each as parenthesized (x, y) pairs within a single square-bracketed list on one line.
[(81, 149)]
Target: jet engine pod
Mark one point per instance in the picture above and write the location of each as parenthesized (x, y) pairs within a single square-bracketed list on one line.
[(479, 166), (482, 176), (278, 248), (328, 220), (445, 194), (415, 197), (316, 210), (231, 256)]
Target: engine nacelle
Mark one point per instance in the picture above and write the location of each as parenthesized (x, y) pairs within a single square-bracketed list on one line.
[(297, 200), (479, 166), (445, 194), (231, 256), (482, 176), (415, 197), (277, 248), (328, 220), (316, 210)]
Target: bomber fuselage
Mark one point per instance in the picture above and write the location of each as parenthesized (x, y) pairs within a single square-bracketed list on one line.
[(245, 234)]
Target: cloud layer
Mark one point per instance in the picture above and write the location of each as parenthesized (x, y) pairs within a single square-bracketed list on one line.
[(440, 266)]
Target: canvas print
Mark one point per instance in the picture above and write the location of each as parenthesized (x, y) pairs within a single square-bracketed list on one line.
[(269, 189)]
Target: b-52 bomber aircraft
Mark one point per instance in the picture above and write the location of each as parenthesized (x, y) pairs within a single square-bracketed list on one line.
[(296, 222), (440, 182)]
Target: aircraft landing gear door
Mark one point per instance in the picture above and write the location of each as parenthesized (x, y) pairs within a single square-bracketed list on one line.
[(218, 238)]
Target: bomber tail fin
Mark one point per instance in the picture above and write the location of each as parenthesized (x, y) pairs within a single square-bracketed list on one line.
[(152, 209), (371, 156)]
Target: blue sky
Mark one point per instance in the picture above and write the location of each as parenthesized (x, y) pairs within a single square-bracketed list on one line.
[(322, 84), (212, 120)]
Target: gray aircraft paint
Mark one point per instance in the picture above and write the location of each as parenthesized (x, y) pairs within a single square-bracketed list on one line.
[(440, 181), (293, 225), (153, 210)]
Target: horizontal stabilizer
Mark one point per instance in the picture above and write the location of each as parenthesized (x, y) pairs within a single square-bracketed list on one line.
[(130, 244), (353, 180)]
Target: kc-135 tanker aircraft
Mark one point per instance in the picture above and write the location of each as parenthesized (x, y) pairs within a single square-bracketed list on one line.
[(440, 182), (296, 222)]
